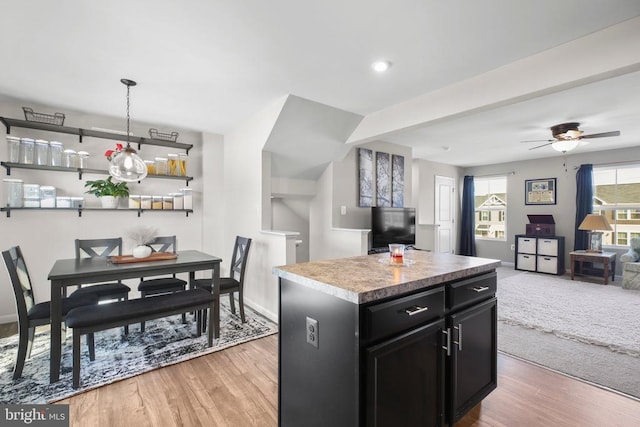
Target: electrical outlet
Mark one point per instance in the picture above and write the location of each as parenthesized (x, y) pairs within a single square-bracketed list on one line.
[(312, 332), (343, 210), (513, 247)]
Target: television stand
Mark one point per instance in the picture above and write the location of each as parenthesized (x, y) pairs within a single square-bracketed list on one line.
[(378, 250)]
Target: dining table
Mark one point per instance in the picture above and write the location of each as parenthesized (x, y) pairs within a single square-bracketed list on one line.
[(84, 271)]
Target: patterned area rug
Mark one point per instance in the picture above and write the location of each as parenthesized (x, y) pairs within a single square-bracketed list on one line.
[(165, 342)]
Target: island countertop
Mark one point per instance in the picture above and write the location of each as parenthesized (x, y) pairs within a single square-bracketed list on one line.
[(368, 278)]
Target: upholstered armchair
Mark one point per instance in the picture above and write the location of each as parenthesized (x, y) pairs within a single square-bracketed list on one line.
[(631, 267)]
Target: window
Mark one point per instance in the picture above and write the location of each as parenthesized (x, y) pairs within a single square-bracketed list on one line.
[(491, 207), (617, 197)]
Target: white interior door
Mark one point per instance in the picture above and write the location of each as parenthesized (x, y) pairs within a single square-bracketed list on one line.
[(444, 205)]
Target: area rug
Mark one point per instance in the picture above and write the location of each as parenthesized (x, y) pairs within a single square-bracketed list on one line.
[(595, 314), (580, 329), (165, 342)]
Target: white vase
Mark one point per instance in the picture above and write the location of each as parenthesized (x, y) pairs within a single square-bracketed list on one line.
[(109, 202), (141, 251)]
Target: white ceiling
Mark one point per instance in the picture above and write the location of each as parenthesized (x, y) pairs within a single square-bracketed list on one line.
[(206, 65)]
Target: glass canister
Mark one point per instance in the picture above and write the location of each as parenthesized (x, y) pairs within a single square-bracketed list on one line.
[(42, 152), (13, 149), (161, 165), (27, 148), (151, 167), (13, 191), (182, 159), (63, 202), (70, 158), (47, 196), (76, 202), (156, 202), (187, 198), (172, 164), (83, 159), (134, 201), (145, 202), (55, 153), (178, 201), (167, 202)]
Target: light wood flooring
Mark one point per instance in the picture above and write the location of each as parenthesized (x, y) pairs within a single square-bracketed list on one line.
[(238, 387)]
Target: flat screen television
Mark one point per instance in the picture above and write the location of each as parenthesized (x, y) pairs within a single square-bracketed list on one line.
[(392, 225)]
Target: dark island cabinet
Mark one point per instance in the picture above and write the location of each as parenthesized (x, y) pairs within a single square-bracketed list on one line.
[(405, 379), (472, 364)]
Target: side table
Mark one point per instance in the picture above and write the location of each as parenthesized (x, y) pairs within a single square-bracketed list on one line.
[(607, 259)]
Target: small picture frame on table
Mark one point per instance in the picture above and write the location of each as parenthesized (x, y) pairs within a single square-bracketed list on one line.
[(540, 191)]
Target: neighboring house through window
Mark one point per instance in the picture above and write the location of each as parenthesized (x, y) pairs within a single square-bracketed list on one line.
[(490, 207), (617, 197)]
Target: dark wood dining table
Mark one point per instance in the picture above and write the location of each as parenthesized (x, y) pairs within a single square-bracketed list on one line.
[(70, 272)]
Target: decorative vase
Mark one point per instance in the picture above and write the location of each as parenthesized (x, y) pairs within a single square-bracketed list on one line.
[(109, 202), (141, 251)]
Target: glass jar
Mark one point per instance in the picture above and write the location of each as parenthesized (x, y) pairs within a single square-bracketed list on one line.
[(76, 202), (31, 191), (178, 201), (27, 147), (70, 158), (156, 202), (13, 149), (187, 198), (55, 153), (134, 201), (172, 164), (47, 196), (182, 159), (151, 167), (13, 190), (42, 152), (145, 202), (167, 202), (83, 159), (161, 165), (63, 202)]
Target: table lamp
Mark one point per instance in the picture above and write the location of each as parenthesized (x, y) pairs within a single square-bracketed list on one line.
[(593, 223)]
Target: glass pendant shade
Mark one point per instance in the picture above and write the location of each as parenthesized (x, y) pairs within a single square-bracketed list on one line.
[(127, 166), (564, 146)]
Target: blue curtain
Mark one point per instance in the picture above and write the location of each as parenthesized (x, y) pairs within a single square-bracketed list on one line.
[(467, 232), (584, 204)]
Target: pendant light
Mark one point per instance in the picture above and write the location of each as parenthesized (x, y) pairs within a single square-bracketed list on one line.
[(126, 165)]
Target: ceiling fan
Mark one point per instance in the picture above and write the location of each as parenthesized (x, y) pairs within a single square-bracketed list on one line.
[(567, 135)]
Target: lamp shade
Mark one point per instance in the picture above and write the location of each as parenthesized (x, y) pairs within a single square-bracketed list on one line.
[(564, 145), (595, 222)]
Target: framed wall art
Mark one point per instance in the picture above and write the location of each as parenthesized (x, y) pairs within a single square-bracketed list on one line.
[(540, 191), (365, 175)]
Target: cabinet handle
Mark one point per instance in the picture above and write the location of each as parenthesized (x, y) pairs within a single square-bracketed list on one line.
[(480, 288), (459, 342), (447, 347), (416, 309)]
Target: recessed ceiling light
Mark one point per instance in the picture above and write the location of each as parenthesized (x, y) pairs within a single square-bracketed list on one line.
[(381, 66)]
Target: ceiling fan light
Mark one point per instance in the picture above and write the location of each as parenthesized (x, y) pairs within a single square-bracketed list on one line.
[(565, 145)]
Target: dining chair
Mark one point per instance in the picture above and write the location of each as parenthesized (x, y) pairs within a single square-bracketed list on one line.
[(235, 281), (32, 314), (162, 285)]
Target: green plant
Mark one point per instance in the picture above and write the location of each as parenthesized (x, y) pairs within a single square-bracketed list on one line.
[(106, 187)]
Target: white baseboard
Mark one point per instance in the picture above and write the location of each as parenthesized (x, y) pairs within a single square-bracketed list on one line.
[(260, 309), (508, 264)]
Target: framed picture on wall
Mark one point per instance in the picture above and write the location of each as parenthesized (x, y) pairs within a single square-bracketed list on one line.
[(540, 191)]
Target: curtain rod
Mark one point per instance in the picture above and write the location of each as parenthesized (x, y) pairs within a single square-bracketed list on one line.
[(495, 174), (630, 162)]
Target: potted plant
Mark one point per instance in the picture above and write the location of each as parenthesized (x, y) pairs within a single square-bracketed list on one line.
[(107, 191)]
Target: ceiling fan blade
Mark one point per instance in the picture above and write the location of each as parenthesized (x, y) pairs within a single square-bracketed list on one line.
[(601, 135), (540, 140), (543, 145)]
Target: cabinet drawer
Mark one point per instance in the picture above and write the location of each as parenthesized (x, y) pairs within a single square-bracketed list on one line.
[(527, 245), (548, 264), (397, 315), (526, 262), (548, 247), (467, 291)]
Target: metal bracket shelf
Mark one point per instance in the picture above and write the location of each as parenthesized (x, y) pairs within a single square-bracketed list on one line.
[(8, 166), (8, 123), (8, 210)]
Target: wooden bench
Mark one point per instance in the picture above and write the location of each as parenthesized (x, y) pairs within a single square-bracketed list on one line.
[(90, 319)]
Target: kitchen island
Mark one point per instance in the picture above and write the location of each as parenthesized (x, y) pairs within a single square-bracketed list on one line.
[(363, 341)]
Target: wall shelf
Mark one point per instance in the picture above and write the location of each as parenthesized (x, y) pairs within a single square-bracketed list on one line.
[(9, 123), (8, 166), (9, 209)]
